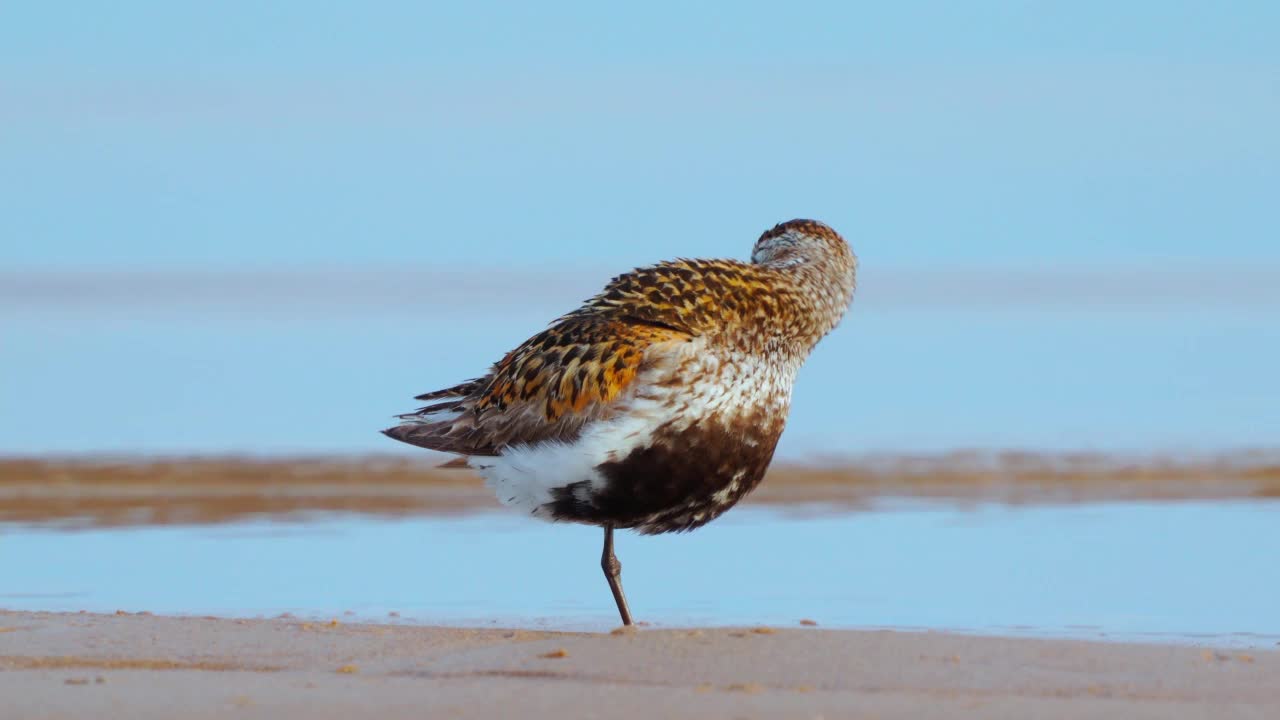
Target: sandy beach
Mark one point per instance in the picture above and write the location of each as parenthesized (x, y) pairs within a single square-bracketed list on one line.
[(145, 666)]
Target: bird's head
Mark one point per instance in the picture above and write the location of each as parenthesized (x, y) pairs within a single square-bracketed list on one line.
[(796, 242), (818, 258)]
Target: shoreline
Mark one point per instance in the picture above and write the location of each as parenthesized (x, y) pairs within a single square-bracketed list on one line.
[(124, 491), (142, 665)]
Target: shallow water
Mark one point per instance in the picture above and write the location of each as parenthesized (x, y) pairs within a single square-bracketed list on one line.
[(1188, 572), (322, 370)]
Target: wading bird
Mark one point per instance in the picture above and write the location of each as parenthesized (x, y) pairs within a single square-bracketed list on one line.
[(657, 404)]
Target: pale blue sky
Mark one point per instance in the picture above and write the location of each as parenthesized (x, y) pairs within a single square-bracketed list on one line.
[(1067, 212), (163, 134)]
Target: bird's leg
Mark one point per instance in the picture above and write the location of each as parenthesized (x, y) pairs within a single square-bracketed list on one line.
[(613, 573)]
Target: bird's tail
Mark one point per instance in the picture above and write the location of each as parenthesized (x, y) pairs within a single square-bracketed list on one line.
[(442, 426)]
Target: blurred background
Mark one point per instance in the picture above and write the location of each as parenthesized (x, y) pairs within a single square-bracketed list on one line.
[(262, 227), (258, 229)]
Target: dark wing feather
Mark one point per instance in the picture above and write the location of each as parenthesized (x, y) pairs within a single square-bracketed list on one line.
[(456, 391), (546, 389)]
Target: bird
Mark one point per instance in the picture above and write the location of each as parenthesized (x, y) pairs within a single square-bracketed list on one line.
[(658, 403)]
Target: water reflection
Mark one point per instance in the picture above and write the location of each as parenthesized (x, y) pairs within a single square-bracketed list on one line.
[(1135, 570)]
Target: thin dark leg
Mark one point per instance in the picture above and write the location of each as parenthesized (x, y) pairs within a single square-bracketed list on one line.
[(613, 573)]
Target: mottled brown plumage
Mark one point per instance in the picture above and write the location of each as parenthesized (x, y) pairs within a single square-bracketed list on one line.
[(544, 390), (657, 404)]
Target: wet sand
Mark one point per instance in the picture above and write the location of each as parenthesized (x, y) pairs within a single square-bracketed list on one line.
[(143, 666), (146, 491)]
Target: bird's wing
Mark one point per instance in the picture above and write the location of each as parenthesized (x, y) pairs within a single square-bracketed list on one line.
[(546, 389)]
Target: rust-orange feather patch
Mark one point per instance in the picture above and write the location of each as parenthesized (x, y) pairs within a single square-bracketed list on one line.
[(579, 362)]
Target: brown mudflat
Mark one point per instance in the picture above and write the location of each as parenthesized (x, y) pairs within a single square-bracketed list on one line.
[(127, 491), (143, 666)]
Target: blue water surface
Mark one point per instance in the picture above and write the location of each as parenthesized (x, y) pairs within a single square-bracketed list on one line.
[(1186, 571), (268, 378)]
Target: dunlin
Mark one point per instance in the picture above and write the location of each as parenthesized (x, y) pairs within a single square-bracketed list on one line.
[(657, 404)]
